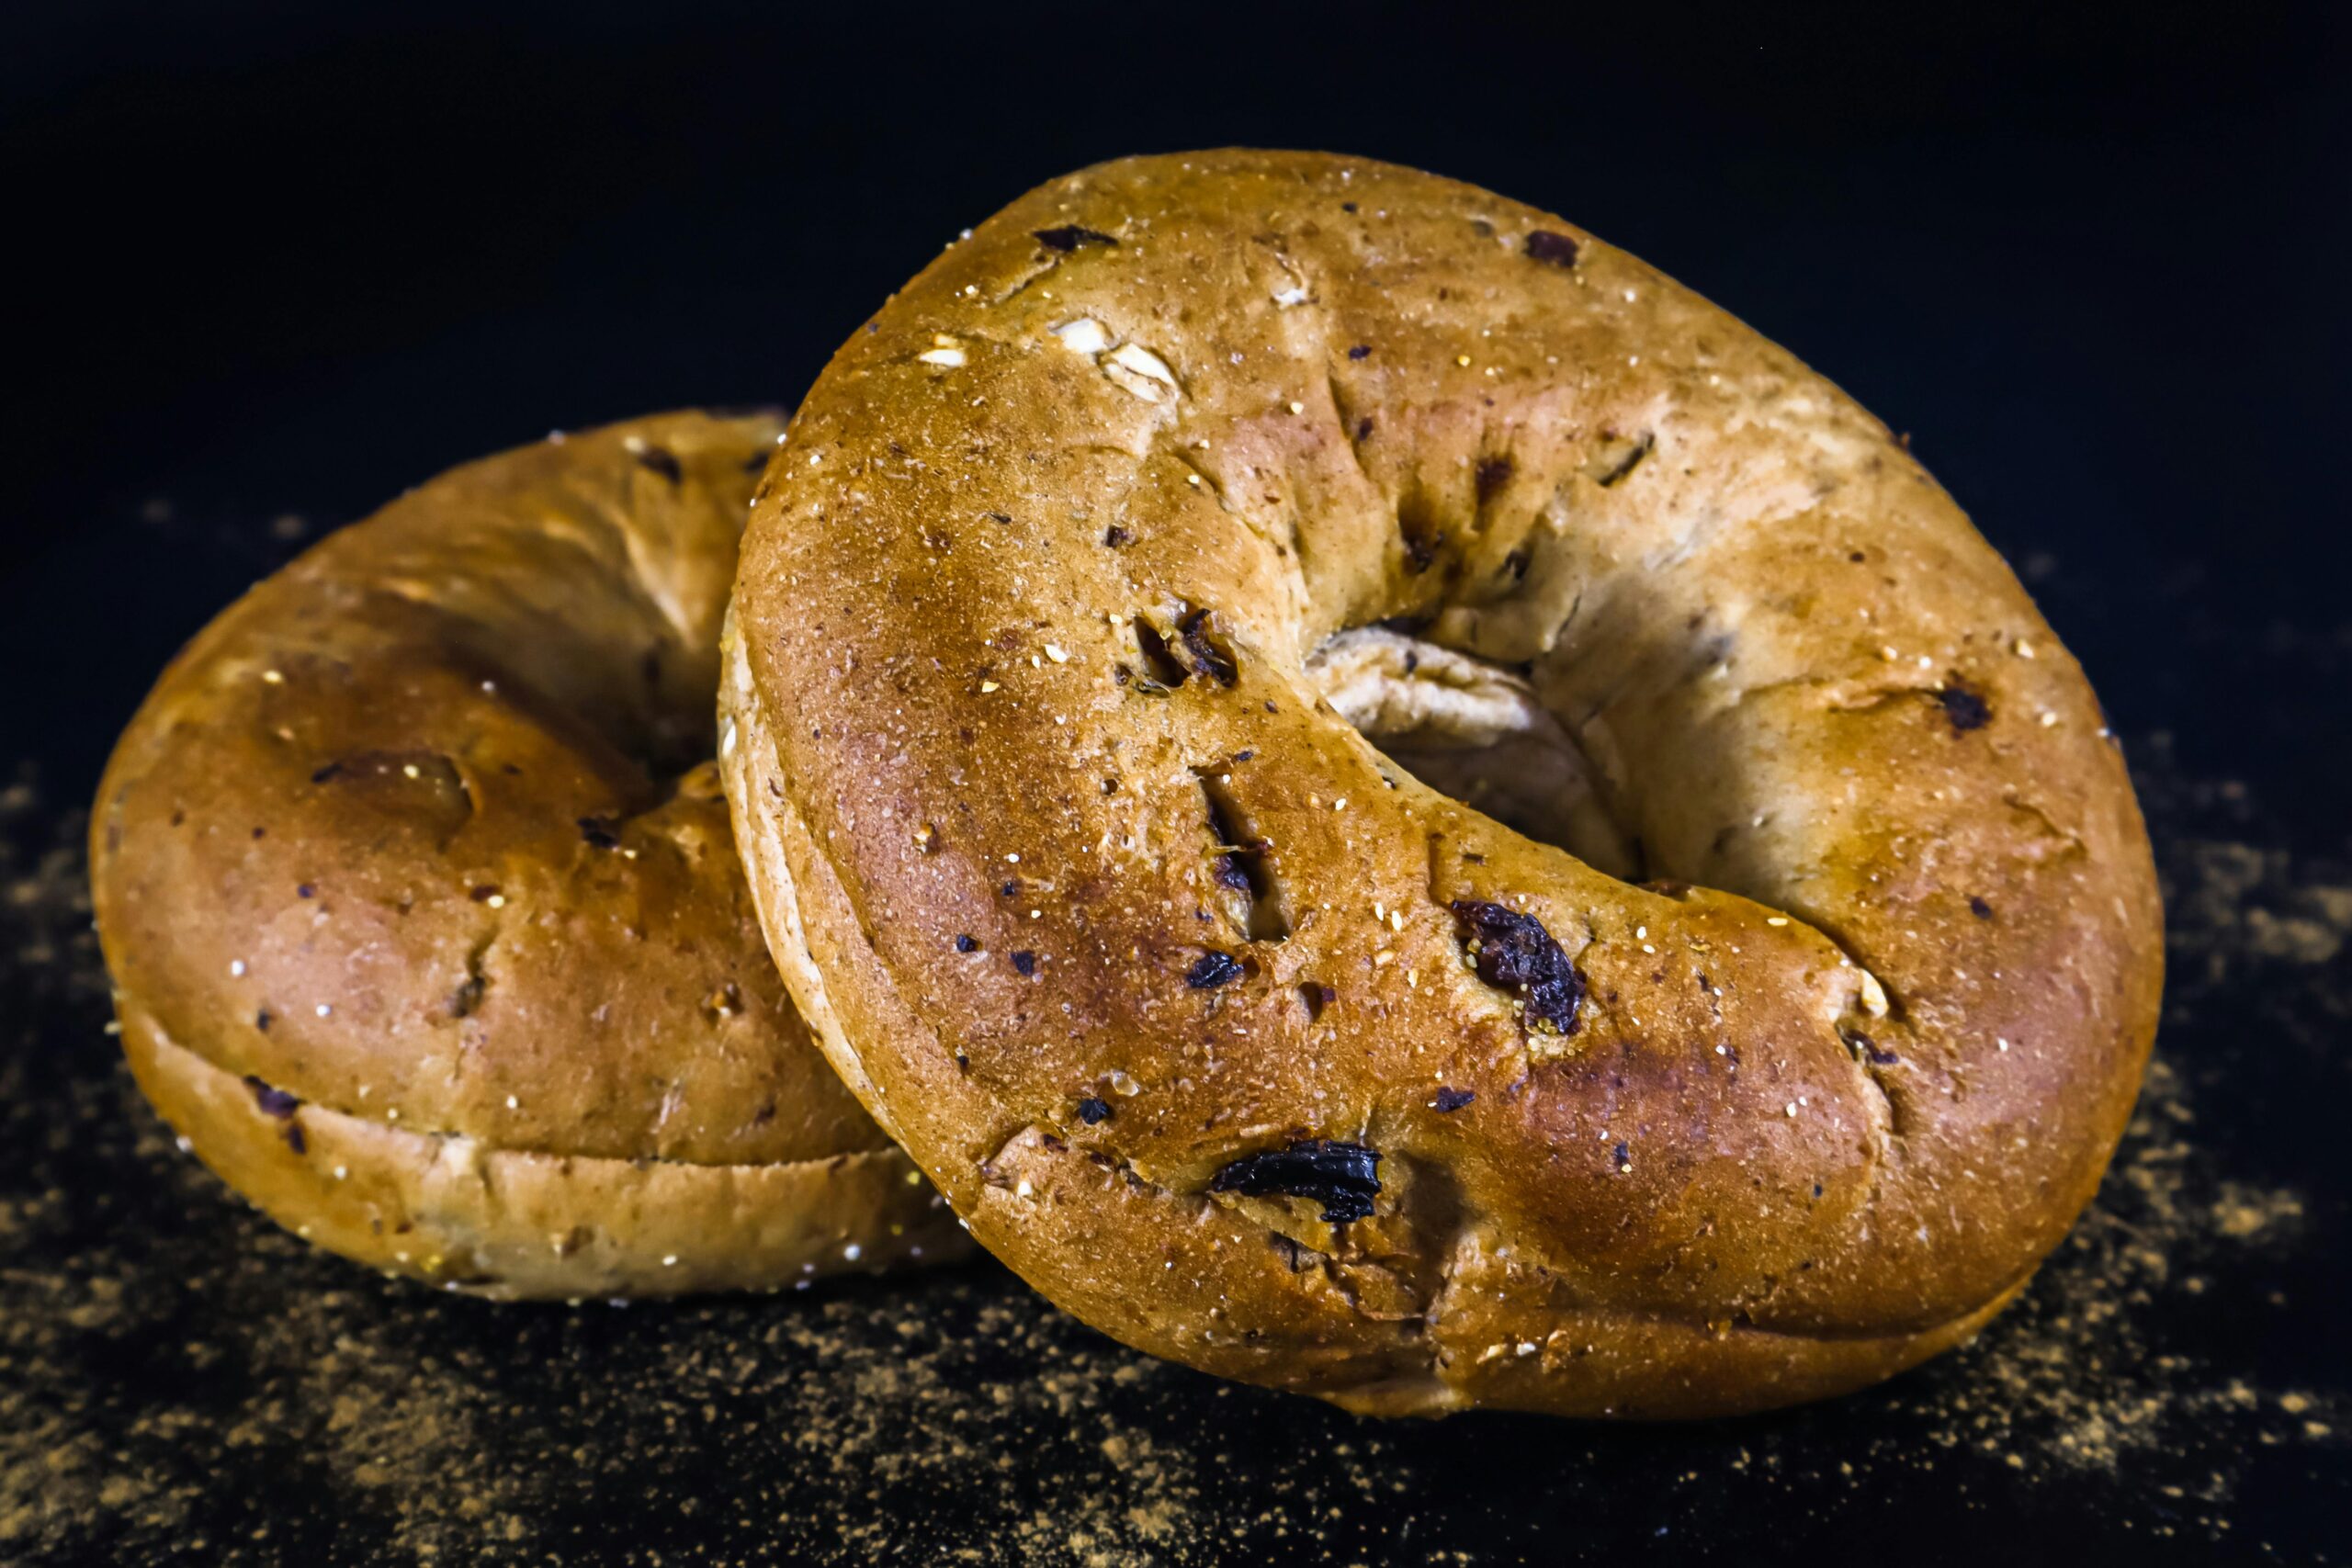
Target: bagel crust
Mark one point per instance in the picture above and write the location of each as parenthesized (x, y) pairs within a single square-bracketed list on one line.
[(427, 938), (1059, 615)]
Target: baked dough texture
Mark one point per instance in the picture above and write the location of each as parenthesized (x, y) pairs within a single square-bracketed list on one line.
[(1787, 1030), (426, 925)]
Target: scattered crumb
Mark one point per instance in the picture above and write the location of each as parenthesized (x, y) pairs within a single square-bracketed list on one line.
[(180, 1380)]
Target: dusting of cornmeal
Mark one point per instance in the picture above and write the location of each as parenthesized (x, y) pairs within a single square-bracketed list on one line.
[(178, 1379)]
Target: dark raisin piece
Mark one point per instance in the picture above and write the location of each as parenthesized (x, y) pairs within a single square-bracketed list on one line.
[(1450, 1100), (467, 996), (1965, 706), (333, 770), (660, 460), (1213, 969), (264, 1019), (1514, 952), (1243, 756), (1231, 874), (1070, 236), (1116, 535), (1622, 1157), (304, 890), (1364, 428), (598, 832), (1629, 462), (1867, 1048), (292, 1133), (1010, 888), (1558, 249), (1343, 1177), (1361, 351), (1093, 1111), (273, 1102), (964, 944), (484, 891), (1207, 657), (1347, 207), (1492, 474), (1025, 962), (1420, 551), (1981, 910)]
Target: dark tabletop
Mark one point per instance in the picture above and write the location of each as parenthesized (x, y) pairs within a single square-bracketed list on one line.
[(275, 262)]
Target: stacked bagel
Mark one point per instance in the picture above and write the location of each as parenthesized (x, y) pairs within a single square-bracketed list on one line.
[(1383, 801)]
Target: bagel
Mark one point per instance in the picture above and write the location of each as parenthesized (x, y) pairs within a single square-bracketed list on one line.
[(427, 930), (1121, 594)]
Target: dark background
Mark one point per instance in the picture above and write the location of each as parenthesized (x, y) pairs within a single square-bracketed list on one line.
[(271, 262)]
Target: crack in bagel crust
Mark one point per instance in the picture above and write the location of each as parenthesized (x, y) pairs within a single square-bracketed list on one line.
[(1581, 548)]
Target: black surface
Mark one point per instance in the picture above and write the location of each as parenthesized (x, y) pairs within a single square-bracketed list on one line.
[(273, 264)]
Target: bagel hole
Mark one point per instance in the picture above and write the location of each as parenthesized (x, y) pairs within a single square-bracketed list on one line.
[(1256, 903), (650, 742), (644, 707), (1475, 731)]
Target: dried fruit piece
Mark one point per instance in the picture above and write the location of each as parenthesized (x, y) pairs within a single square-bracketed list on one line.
[(1546, 246), (273, 1102), (1514, 952), (1213, 969), (1204, 652), (1965, 706), (1070, 236), (1343, 1177)]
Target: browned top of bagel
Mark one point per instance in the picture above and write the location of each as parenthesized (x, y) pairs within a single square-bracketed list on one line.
[(411, 831), (1144, 951)]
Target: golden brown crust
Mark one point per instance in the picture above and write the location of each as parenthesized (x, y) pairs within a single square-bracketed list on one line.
[(513, 1225), (403, 836), (1052, 576)]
